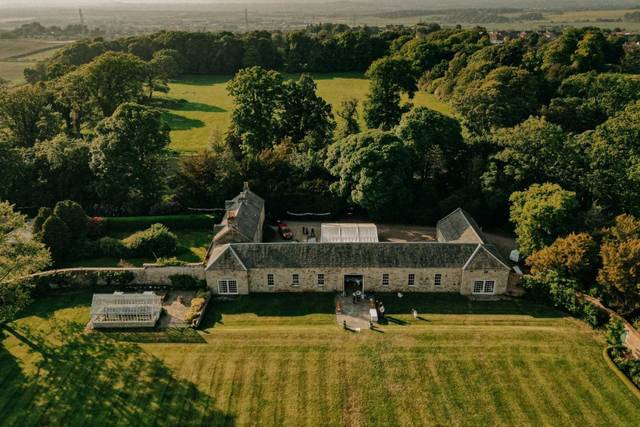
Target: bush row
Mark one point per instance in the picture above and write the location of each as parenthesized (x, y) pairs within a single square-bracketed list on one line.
[(562, 294), (623, 359), (106, 225), (156, 241)]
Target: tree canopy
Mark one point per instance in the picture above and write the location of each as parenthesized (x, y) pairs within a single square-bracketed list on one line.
[(19, 256)]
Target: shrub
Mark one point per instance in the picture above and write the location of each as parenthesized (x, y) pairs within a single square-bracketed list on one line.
[(74, 217), (185, 281), (95, 227), (43, 215), (593, 315), (111, 247), (615, 331), (621, 356), (194, 311), (55, 234), (156, 241), (170, 262)]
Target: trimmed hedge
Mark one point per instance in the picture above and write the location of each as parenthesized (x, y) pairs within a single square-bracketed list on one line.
[(174, 222), (185, 281)]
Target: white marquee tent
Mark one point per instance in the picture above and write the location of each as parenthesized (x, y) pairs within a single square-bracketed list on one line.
[(119, 310), (347, 232)]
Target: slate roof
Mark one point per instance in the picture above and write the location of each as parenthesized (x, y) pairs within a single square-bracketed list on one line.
[(347, 255), (459, 226), (486, 257), (242, 214)]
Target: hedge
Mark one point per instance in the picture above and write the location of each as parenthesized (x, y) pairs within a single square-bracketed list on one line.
[(173, 222), (185, 281)]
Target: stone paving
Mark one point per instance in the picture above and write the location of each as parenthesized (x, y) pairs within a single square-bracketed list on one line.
[(355, 315)]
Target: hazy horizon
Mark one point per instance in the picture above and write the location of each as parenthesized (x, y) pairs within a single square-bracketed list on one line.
[(429, 4)]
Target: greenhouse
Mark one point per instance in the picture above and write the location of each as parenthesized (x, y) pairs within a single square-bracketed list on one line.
[(120, 310)]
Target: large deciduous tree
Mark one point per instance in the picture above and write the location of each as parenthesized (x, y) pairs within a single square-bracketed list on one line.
[(614, 155), (620, 272), (27, 116), (256, 96), (573, 256), (19, 256), (390, 78), (207, 179), (349, 114), (434, 141), (504, 98), (304, 114), (542, 213), (129, 158), (533, 151), (373, 170), (114, 78)]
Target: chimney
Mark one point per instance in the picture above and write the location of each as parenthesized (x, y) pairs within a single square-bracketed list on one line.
[(245, 186)]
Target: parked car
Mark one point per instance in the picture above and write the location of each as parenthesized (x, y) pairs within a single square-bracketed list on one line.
[(285, 231)]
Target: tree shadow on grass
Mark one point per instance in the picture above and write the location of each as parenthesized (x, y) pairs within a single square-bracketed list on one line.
[(432, 303), (184, 105), (91, 379), (202, 80), (178, 122)]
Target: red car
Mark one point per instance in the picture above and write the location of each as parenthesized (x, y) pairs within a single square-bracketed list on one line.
[(285, 231)]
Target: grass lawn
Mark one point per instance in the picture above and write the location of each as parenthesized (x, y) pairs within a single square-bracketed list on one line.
[(282, 360), (208, 107)]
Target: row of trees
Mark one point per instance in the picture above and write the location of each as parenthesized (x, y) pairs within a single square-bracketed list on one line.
[(322, 48)]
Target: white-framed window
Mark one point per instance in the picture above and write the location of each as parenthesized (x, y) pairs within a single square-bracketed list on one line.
[(385, 279), (411, 279), (295, 279), (227, 287), (484, 286), (271, 282), (320, 279), (437, 280)]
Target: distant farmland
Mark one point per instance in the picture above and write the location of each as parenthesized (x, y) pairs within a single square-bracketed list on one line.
[(18, 54)]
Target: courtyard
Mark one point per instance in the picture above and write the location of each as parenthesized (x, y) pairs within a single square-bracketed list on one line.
[(283, 360)]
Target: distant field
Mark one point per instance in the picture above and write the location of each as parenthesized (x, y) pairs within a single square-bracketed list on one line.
[(209, 106), (572, 18), (281, 360), (13, 71), (24, 47), (16, 55)]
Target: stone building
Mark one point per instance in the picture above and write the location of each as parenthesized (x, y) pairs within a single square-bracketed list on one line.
[(460, 261), (243, 219)]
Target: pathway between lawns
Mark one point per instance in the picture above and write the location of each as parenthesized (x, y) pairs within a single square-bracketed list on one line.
[(355, 315)]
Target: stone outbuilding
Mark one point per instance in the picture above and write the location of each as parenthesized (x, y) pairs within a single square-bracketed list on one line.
[(461, 261), (243, 219)]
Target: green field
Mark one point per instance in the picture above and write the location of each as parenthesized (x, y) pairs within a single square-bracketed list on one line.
[(208, 107), (18, 54), (282, 360)]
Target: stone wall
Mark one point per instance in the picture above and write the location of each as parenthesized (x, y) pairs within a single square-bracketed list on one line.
[(149, 274), (501, 277), (453, 279), (213, 276)]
